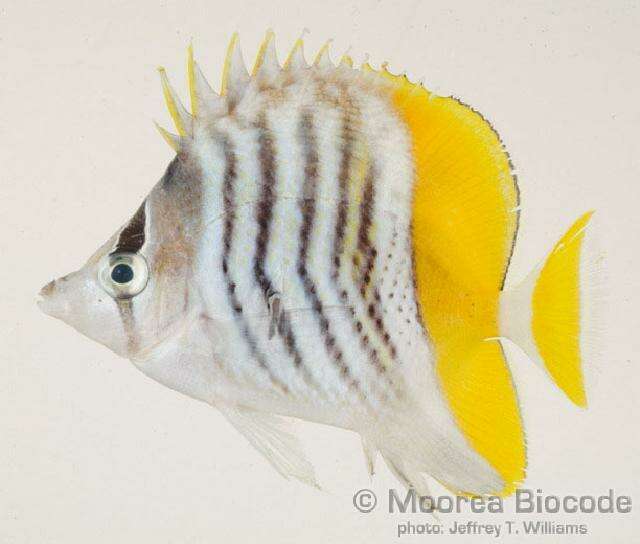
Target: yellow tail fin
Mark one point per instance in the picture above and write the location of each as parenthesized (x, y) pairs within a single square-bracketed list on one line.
[(543, 315)]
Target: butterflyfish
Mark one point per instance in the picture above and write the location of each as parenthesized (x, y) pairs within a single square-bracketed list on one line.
[(330, 243)]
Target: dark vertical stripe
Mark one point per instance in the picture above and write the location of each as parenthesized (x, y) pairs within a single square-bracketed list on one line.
[(131, 240), (343, 189), (228, 197), (369, 253), (125, 309), (264, 216), (414, 282), (264, 206), (131, 237), (346, 155), (308, 210)]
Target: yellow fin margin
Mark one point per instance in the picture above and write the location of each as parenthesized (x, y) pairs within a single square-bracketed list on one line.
[(226, 69), (296, 51), (172, 104), (323, 54), (346, 60), (261, 52), (191, 75)]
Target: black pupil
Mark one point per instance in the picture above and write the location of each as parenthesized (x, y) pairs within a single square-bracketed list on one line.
[(122, 273)]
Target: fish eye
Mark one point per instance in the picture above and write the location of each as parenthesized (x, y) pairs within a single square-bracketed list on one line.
[(123, 275)]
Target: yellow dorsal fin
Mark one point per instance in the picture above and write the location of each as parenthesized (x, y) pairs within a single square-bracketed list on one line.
[(464, 170), (464, 223)]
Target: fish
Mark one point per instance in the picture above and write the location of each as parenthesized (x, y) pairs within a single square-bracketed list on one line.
[(330, 243)]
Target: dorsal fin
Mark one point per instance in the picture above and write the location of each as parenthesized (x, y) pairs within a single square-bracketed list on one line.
[(295, 60), (205, 102), (235, 77), (266, 66), (346, 60), (180, 116), (323, 60), (191, 76), (469, 194), (173, 140), (210, 103)]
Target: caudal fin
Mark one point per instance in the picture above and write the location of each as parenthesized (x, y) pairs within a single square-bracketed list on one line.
[(544, 315)]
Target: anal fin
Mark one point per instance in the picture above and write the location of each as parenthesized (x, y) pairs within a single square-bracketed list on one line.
[(479, 389)]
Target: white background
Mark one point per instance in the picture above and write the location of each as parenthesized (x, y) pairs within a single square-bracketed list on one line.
[(92, 451)]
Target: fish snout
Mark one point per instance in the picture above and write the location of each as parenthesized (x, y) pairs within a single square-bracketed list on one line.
[(47, 290), (50, 299)]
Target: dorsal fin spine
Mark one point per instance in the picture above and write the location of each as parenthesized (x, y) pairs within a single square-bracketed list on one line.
[(206, 103), (295, 59), (346, 60), (234, 76), (173, 140), (180, 116), (267, 42), (191, 75), (322, 58)]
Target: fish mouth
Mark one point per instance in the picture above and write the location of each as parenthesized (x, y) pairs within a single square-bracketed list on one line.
[(47, 289), (49, 301), (42, 298)]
